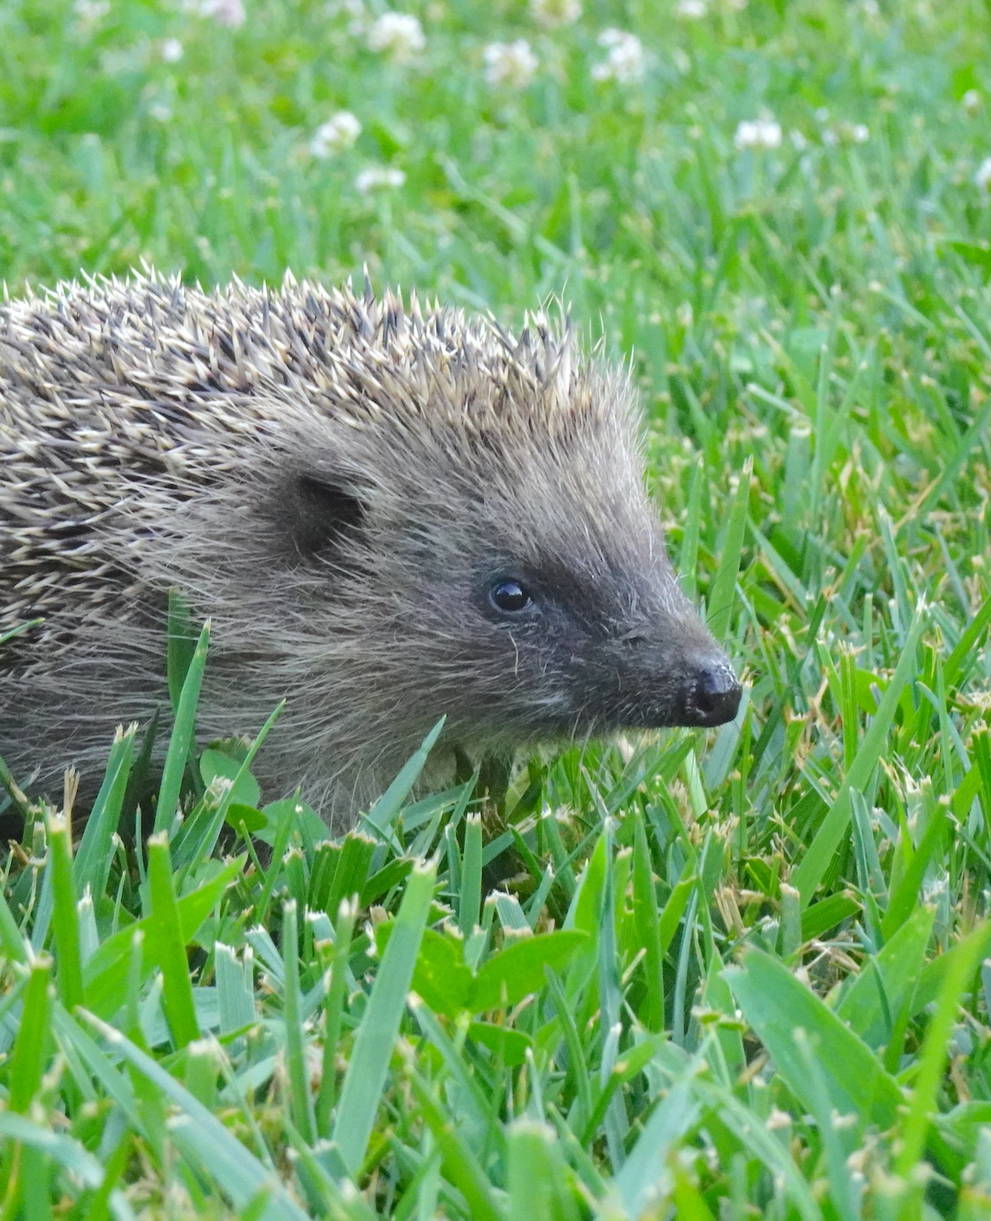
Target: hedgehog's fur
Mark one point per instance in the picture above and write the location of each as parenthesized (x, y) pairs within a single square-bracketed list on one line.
[(336, 480)]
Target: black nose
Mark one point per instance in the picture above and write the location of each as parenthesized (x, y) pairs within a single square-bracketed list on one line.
[(714, 696)]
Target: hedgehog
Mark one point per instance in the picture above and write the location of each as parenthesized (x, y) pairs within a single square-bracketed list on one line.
[(390, 512)]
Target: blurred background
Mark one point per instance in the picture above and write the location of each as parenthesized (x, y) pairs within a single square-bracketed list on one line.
[(684, 168)]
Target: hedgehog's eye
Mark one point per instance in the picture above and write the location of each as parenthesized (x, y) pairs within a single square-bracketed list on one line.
[(510, 596)]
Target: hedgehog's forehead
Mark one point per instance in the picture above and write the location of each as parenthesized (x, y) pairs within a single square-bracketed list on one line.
[(600, 548), (571, 500)]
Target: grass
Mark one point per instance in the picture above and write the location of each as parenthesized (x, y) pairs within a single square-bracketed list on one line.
[(741, 974)]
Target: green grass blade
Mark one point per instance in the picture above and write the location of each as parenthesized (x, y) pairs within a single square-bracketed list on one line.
[(235, 994), (775, 1004), (369, 1066), (471, 875), (94, 854), (888, 981), (12, 945), (922, 1103), (722, 598), (818, 856), (183, 735), (333, 1012), (538, 1178), (106, 971), (65, 915), (80, 1166), (303, 1116), (29, 1055), (643, 1174), (460, 1162), (181, 638), (384, 811), (170, 944), (205, 1141)]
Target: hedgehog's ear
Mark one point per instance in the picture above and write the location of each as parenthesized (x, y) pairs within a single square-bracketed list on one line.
[(321, 514)]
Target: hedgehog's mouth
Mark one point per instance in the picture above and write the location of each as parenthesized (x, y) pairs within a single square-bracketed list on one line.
[(703, 700), (706, 696), (650, 689), (697, 705)]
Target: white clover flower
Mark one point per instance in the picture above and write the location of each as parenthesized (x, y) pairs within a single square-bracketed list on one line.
[(692, 9), (971, 101), (982, 179), (398, 35), (91, 11), (758, 133), (170, 50), (843, 132), (554, 13), (624, 62), (337, 134), (378, 177), (354, 11), (224, 12), (511, 64), (219, 787), (933, 889)]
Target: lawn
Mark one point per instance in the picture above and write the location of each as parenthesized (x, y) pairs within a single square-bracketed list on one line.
[(743, 973)]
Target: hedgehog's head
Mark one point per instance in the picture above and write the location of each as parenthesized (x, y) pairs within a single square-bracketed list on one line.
[(479, 520)]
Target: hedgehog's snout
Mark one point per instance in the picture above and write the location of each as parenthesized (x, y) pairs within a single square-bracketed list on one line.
[(699, 690), (711, 692), (677, 676)]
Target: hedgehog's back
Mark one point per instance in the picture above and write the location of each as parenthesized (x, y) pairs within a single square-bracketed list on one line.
[(154, 336)]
